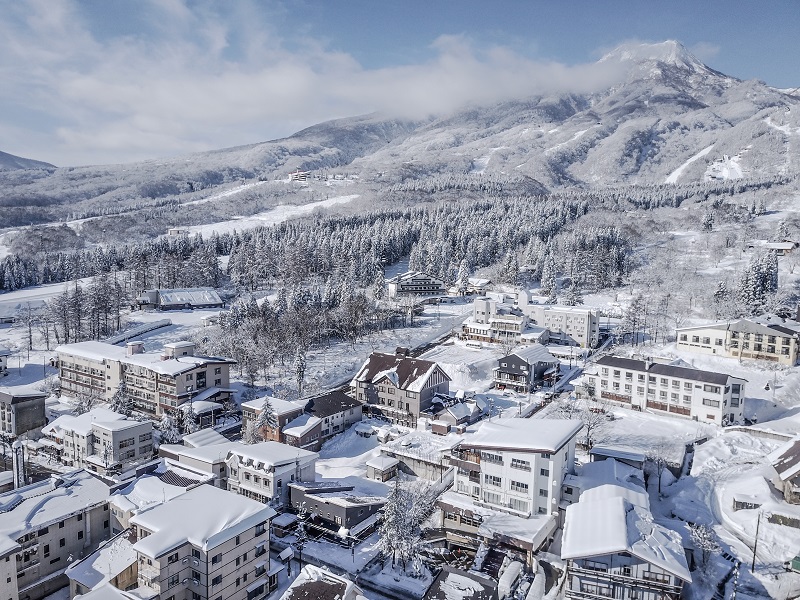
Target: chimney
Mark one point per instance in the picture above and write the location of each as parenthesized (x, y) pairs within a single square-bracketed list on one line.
[(401, 351), (648, 362), (136, 347)]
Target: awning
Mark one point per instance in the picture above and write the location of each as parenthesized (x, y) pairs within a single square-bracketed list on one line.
[(258, 583), (286, 553)]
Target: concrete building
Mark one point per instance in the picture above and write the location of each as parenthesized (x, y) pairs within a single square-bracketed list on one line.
[(703, 396), (568, 325), (742, 339), (507, 485), (264, 471), (207, 460), (414, 283), (522, 369), (206, 543), (21, 411), (494, 321), (156, 381), (100, 440), (335, 504), (397, 387), (45, 525), (179, 299), (285, 411)]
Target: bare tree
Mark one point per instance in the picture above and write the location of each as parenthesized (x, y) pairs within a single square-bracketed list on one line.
[(705, 540), (658, 455)]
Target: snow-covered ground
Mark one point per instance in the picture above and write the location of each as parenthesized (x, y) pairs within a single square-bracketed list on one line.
[(675, 175), (279, 214)]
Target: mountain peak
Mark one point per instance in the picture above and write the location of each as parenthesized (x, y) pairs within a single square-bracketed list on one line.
[(670, 52)]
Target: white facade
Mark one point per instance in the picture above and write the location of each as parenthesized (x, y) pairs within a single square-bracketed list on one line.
[(742, 339), (517, 466), (703, 396), (264, 471), (414, 283)]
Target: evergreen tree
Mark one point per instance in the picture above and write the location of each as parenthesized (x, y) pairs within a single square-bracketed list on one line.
[(121, 401), (169, 429), (573, 295), (267, 418), (300, 370)]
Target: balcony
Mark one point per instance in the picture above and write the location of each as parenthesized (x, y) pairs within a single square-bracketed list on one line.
[(150, 577)]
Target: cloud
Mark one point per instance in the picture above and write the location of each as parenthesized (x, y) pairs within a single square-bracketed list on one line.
[(210, 76), (705, 51)]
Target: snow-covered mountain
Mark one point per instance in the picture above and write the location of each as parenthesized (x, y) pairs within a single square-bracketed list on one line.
[(668, 119), (11, 162)]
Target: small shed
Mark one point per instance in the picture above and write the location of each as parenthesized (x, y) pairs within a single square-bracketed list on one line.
[(622, 455), (440, 427), (382, 468), (283, 525)]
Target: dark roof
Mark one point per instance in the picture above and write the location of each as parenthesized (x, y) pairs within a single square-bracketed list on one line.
[(330, 403), (172, 478), (787, 461), (15, 397), (408, 370), (449, 585), (324, 589), (661, 369)]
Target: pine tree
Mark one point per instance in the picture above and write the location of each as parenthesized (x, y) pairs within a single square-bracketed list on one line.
[(121, 402), (189, 418), (169, 429), (549, 285), (267, 418), (573, 295), (300, 370)]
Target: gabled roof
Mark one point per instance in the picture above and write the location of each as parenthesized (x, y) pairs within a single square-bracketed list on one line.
[(321, 584), (668, 370), (743, 326), (456, 584), (612, 525), (404, 372), (281, 407), (109, 560), (331, 403), (533, 354), (204, 437), (301, 425), (786, 459)]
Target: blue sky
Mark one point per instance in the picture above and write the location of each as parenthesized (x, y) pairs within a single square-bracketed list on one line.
[(106, 81)]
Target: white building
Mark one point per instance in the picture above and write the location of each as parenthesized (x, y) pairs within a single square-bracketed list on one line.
[(100, 440), (206, 543), (570, 325), (113, 563), (264, 471), (742, 339), (157, 381), (208, 460), (45, 525), (508, 481), (703, 396), (414, 283), (494, 321)]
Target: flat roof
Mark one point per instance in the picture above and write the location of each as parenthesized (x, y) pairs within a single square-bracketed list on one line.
[(526, 435), (273, 454)]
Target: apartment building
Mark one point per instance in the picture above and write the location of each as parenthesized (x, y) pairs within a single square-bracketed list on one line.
[(494, 321), (205, 544), (101, 440), (264, 471), (157, 381), (742, 339), (21, 411), (704, 396), (614, 549), (285, 411), (507, 482), (46, 525), (397, 387), (523, 368), (414, 283)]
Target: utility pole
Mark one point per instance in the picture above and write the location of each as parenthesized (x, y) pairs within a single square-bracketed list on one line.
[(755, 544)]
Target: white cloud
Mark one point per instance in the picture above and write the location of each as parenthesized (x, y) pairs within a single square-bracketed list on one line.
[(201, 79)]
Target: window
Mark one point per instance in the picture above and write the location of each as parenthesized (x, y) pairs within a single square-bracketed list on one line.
[(544, 472), (80, 535), (687, 385), (216, 559), (46, 550), (546, 455), (653, 576), (195, 553), (492, 458), (492, 480), (173, 580), (218, 371), (718, 342), (714, 389), (62, 542), (707, 341), (126, 443), (80, 516), (542, 510), (172, 558), (542, 493), (492, 498), (593, 565), (695, 339), (217, 580), (684, 337), (520, 505), (710, 402), (517, 486)]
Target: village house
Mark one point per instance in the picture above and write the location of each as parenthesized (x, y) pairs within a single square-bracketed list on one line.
[(44, 526), (321, 584), (498, 322), (205, 543), (264, 471), (336, 410), (615, 549), (786, 462), (742, 339), (304, 431), (414, 283), (21, 411), (421, 454), (704, 396), (397, 387), (285, 411), (156, 381), (336, 505), (522, 369), (507, 484), (113, 563)]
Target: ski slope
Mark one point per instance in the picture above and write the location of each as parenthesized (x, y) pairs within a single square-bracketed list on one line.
[(675, 175)]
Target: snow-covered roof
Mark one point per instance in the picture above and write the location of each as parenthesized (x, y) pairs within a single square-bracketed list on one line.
[(524, 435), (105, 563), (144, 492), (4, 351), (618, 453), (533, 354), (205, 516), (204, 437), (406, 373), (321, 584), (460, 411), (215, 453), (46, 502), (273, 454), (301, 425), (688, 373), (423, 445), (614, 525), (173, 366), (106, 591), (610, 490), (382, 462), (82, 424), (786, 459), (455, 584), (191, 296), (604, 472), (20, 393), (281, 407), (92, 350), (531, 531), (200, 406), (121, 424)]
